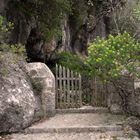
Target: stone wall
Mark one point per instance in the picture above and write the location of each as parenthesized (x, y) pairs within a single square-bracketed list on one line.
[(134, 100), (40, 72), (113, 94)]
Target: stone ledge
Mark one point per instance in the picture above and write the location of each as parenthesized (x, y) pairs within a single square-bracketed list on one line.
[(83, 110), (100, 128)]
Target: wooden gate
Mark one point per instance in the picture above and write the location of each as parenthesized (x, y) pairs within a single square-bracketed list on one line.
[(68, 88), (100, 93), (94, 92), (73, 92)]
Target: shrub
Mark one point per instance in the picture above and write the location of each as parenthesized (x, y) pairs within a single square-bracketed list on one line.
[(109, 57), (73, 62)]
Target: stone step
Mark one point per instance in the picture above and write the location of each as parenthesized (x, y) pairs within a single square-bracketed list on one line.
[(74, 129), (78, 122), (84, 109), (72, 136)]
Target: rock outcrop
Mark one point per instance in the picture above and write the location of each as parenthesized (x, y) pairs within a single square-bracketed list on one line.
[(27, 93), (17, 101)]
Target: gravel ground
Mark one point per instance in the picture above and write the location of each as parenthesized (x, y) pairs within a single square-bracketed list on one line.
[(71, 136)]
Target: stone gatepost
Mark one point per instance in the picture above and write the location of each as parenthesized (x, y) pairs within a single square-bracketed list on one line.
[(39, 72)]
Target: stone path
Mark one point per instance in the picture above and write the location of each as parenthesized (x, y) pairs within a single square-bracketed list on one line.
[(78, 126)]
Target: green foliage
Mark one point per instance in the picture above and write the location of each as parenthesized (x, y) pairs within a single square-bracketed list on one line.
[(79, 11), (37, 86), (73, 62), (50, 20), (16, 50), (108, 58), (114, 138), (4, 47), (4, 71), (48, 14), (136, 11), (4, 29), (127, 19)]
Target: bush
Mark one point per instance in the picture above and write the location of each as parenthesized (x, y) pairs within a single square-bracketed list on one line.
[(109, 57), (73, 62)]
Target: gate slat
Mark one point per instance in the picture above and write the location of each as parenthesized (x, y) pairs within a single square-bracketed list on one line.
[(72, 89), (68, 88), (64, 86), (56, 85), (60, 86), (80, 90), (75, 90), (95, 92)]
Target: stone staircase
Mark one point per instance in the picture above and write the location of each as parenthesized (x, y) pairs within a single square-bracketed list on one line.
[(85, 123)]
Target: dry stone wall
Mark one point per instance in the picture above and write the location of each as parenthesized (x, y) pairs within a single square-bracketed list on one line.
[(40, 72)]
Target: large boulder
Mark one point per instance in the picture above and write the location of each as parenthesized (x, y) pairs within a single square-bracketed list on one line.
[(17, 101)]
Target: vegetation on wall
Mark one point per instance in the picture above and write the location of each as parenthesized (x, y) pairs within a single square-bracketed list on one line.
[(47, 14), (136, 11), (4, 47), (15, 49), (37, 86), (103, 54), (73, 62), (126, 19), (110, 60), (107, 58)]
